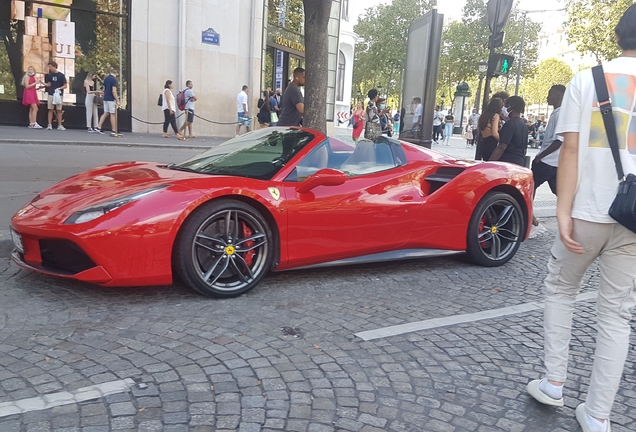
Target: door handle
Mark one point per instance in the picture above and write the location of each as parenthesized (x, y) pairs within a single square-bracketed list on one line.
[(406, 198)]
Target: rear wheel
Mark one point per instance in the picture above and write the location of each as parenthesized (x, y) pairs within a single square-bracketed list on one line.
[(495, 230), (224, 249)]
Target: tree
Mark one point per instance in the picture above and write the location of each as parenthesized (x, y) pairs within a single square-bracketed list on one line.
[(549, 72), (465, 43), (590, 26), (380, 58), (317, 14)]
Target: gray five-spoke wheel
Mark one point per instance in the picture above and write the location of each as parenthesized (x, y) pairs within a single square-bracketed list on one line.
[(229, 248), (495, 230), (224, 248)]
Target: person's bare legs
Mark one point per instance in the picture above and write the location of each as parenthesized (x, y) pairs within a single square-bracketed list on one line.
[(33, 114), (58, 115), (102, 120), (50, 117), (190, 130), (238, 129)]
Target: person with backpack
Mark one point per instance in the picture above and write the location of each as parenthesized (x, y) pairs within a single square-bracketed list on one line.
[(168, 106), (186, 100)]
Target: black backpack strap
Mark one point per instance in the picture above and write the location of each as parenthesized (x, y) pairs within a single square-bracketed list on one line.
[(605, 105)]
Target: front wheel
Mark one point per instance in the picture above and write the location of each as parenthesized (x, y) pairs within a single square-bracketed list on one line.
[(224, 249), (495, 230)]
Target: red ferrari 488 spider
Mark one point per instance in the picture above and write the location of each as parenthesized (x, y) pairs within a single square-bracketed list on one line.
[(271, 200)]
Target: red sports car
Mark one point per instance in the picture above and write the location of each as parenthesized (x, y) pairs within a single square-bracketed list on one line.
[(272, 200)]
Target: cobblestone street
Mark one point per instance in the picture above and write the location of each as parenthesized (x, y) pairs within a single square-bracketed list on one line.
[(285, 356)]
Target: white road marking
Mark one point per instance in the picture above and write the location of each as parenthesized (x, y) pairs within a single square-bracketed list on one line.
[(65, 398), (459, 319)]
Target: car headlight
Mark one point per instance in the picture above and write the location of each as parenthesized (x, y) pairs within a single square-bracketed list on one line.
[(94, 212)]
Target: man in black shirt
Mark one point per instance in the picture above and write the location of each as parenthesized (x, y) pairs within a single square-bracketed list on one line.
[(513, 137), (293, 101), (53, 81)]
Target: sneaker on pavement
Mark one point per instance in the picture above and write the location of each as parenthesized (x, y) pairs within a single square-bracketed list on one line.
[(540, 396), (30, 126), (36, 126), (589, 423), (60, 127), (99, 131), (49, 127), (90, 130), (536, 231)]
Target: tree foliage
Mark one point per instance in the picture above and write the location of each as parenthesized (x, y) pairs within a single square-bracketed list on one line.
[(465, 43), (381, 57), (549, 72), (590, 26)]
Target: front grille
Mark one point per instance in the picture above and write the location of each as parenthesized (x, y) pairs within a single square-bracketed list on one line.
[(64, 256)]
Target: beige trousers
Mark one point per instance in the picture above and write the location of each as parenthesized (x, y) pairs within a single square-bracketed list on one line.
[(615, 246)]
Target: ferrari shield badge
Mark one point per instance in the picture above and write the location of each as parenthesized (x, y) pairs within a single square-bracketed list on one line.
[(274, 192)]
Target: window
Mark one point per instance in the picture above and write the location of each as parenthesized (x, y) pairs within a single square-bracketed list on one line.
[(94, 39), (340, 85), (258, 155), (345, 10), (365, 157)]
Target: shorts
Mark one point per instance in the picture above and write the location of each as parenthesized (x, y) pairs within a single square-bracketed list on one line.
[(542, 172), (50, 104), (190, 115), (110, 107), (244, 121)]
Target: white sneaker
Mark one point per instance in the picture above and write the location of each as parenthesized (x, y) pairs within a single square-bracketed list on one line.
[(536, 231), (36, 126), (60, 127), (49, 127), (586, 421), (537, 393)]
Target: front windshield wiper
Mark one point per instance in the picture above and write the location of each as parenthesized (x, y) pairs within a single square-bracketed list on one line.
[(176, 167)]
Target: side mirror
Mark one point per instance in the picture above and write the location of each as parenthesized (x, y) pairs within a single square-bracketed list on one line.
[(324, 177)]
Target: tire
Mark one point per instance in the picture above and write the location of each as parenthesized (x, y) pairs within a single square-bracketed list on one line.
[(507, 231), (224, 249)]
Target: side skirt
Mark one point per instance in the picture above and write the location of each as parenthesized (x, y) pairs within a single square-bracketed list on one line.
[(396, 255)]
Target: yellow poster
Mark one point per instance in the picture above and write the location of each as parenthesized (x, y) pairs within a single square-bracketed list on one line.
[(52, 12)]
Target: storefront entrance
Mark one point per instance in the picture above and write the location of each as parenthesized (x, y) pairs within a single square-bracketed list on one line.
[(279, 68), (80, 36)]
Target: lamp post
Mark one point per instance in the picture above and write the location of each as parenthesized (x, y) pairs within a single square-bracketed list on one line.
[(483, 67)]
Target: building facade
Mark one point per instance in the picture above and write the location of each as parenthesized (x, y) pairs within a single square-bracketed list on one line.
[(218, 45)]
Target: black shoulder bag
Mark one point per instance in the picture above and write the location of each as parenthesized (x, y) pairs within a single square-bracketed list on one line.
[(623, 209)]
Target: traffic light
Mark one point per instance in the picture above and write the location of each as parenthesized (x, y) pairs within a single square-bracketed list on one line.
[(501, 64)]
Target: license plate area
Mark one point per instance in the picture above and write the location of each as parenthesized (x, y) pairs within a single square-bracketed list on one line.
[(17, 241)]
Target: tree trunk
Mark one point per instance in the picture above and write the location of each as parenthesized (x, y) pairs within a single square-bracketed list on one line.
[(316, 58)]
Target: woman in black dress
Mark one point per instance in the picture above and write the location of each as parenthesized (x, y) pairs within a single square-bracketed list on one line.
[(264, 115), (513, 138), (489, 124)]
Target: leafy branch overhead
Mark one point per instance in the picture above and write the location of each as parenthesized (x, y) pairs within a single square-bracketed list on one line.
[(590, 26)]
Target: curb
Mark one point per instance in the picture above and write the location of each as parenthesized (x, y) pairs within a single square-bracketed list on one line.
[(103, 144)]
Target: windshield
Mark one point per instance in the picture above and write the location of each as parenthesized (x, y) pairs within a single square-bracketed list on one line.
[(258, 155)]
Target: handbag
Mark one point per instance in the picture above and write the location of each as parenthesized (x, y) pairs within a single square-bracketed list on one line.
[(623, 208), (372, 130), (274, 117), (98, 100)]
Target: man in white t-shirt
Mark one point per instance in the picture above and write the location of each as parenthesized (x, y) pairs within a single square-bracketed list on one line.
[(438, 130), (544, 166), (587, 184), (243, 114), (417, 113), (190, 99)]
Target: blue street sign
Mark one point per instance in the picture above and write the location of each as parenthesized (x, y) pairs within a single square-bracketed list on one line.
[(211, 37)]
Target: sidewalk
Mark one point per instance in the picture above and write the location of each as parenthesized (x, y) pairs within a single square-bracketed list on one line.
[(24, 135)]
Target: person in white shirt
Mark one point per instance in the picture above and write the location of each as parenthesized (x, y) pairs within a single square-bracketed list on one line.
[(438, 129), (417, 114), (587, 185), (243, 114), (190, 99), (544, 166), (169, 106)]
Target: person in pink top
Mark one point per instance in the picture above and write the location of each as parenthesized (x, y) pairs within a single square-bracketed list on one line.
[(30, 97)]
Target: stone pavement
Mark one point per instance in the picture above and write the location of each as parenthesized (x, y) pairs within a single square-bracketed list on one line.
[(284, 357)]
